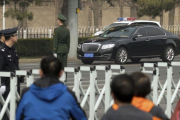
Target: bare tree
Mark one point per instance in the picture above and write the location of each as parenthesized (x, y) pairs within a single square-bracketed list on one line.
[(58, 7), (133, 7), (171, 16), (97, 6)]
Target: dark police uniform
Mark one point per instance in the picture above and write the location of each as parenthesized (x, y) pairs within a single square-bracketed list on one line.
[(61, 42), (8, 61), (1, 43)]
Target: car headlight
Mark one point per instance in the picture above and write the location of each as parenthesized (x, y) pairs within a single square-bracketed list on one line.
[(79, 46), (107, 46)]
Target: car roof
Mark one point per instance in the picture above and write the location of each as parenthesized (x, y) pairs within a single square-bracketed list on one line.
[(134, 21)]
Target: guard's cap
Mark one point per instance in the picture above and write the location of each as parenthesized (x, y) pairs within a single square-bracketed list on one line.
[(61, 17), (10, 31)]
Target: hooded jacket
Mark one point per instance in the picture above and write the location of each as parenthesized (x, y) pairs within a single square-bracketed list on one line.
[(49, 99)]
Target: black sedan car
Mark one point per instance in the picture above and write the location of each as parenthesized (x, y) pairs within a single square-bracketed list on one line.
[(130, 42)]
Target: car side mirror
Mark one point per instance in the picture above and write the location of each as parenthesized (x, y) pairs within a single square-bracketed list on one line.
[(137, 36)]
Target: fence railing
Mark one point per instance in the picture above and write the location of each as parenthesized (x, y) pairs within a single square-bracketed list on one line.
[(93, 96), (47, 32), (83, 31)]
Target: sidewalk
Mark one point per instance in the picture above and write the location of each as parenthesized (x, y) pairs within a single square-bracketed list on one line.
[(28, 60)]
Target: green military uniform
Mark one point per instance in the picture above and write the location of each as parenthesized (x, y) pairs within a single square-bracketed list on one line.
[(61, 42)]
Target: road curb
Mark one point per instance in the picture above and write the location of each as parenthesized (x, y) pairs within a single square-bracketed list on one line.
[(39, 59)]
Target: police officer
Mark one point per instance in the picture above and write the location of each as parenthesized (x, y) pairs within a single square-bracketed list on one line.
[(61, 40), (9, 58)]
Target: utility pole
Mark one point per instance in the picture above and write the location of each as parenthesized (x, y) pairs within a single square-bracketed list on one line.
[(73, 27), (3, 15)]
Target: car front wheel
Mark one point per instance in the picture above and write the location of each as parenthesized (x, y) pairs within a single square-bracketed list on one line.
[(87, 61), (121, 56), (169, 54)]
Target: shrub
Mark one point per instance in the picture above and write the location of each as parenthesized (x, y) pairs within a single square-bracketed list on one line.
[(37, 47)]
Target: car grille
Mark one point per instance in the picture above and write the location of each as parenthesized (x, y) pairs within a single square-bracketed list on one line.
[(90, 47)]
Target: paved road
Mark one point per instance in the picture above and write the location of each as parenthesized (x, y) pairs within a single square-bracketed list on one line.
[(130, 67)]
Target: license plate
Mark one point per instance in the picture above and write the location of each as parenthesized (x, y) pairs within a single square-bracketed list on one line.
[(89, 55)]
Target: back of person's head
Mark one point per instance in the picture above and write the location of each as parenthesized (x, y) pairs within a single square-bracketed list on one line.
[(51, 66), (122, 87), (142, 84)]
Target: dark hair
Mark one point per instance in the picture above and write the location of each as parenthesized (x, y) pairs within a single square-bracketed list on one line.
[(7, 38), (51, 66), (62, 21), (142, 84), (122, 86)]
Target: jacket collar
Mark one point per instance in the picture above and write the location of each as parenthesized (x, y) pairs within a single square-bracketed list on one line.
[(47, 81)]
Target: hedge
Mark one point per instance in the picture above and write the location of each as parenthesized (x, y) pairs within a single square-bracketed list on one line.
[(36, 47)]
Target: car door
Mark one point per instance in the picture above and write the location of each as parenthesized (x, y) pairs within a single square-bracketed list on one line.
[(139, 45), (157, 39)]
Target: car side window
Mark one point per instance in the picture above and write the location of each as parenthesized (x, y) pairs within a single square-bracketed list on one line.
[(134, 24), (141, 31), (145, 23), (161, 32), (151, 31)]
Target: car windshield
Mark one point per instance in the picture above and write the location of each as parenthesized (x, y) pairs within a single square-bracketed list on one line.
[(114, 25), (119, 32)]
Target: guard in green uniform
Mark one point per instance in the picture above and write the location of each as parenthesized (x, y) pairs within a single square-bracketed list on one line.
[(61, 40)]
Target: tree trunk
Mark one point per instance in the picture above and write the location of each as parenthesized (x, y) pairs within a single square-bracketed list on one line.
[(121, 11), (100, 18), (121, 8), (162, 19), (133, 12), (100, 12), (23, 22), (96, 17), (97, 12), (64, 10), (90, 17), (171, 16), (58, 7)]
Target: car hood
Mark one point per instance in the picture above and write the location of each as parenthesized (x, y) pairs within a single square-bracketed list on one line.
[(104, 40)]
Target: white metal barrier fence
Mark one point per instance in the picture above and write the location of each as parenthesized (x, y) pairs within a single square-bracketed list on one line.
[(168, 91), (83, 31), (94, 96)]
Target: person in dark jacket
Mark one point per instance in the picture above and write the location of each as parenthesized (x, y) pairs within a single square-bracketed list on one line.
[(48, 98), (2, 39), (122, 87), (9, 60), (142, 89)]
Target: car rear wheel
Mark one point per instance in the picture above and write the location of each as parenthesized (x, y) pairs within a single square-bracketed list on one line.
[(135, 60), (121, 56), (87, 61), (169, 54)]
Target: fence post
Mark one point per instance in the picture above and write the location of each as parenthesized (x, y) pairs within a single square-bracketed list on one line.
[(13, 97), (30, 78), (76, 84), (155, 85), (24, 34), (169, 92), (92, 95), (107, 89), (50, 33)]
